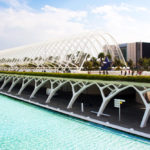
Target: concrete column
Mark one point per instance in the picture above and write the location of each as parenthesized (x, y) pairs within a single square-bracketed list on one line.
[(37, 87), (76, 94), (5, 82), (24, 85), (15, 81), (102, 107), (109, 97), (145, 117), (54, 90), (74, 97), (2, 78)]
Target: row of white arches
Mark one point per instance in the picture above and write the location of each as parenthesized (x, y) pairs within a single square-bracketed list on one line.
[(56, 84), (65, 53)]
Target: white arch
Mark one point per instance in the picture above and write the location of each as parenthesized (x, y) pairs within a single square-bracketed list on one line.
[(87, 43)]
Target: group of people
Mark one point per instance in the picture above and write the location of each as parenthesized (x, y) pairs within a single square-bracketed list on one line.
[(130, 72), (104, 72)]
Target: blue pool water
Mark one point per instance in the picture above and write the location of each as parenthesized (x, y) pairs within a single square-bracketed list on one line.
[(27, 127)]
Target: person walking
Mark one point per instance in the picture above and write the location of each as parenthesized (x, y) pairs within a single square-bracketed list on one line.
[(125, 73), (132, 72), (121, 72), (129, 72)]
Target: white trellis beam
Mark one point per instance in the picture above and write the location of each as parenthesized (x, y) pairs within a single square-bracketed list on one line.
[(53, 89), (14, 82), (25, 83), (38, 84)]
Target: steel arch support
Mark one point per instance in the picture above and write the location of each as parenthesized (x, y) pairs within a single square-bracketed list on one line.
[(145, 117), (38, 86), (54, 90), (25, 83), (6, 80), (83, 86), (14, 82)]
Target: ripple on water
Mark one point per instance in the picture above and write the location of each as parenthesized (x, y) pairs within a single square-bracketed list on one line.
[(27, 127)]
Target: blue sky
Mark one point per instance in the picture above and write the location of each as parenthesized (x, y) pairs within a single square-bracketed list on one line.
[(83, 4), (75, 4), (29, 21)]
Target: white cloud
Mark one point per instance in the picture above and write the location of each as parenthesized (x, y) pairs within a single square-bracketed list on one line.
[(110, 8), (142, 9), (14, 3), (125, 22), (25, 26), (21, 24), (123, 7), (17, 4), (65, 13)]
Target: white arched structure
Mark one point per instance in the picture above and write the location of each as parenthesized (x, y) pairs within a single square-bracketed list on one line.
[(68, 53), (77, 87)]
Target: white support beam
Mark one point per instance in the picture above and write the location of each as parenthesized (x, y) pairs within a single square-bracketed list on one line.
[(38, 84), (109, 97), (77, 88), (25, 83), (6, 80), (14, 82), (145, 117), (77, 93), (2, 78), (54, 90)]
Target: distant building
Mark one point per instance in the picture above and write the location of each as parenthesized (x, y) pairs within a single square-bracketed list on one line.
[(135, 51)]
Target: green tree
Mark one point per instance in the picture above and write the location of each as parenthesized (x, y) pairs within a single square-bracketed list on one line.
[(95, 63), (101, 56), (109, 56), (117, 63), (140, 62), (148, 62), (88, 65), (130, 63), (145, 63), (87, 56)]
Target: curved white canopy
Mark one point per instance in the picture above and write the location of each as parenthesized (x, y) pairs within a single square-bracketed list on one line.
[(63, 53)]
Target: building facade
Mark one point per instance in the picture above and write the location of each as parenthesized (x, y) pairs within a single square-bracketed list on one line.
[(135, 51)]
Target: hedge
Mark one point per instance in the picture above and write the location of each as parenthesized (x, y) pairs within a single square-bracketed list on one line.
[(145, 79)]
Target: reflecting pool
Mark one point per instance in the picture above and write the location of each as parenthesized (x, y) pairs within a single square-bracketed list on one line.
[(27, 127)]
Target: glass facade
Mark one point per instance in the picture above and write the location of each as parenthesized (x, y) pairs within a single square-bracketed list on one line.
[(123, 48), (146, 50)]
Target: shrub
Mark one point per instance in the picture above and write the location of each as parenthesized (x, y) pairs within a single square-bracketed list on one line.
[(145, 79)]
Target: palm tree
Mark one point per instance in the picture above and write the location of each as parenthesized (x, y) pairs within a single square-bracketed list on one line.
[(88, 65), (95, 63), (87, 56), (130, 64), (117, 63), (145, 63), (109, 56), (101, 56)]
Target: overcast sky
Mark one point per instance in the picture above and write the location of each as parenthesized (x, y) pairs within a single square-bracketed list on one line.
[(29, 21)]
